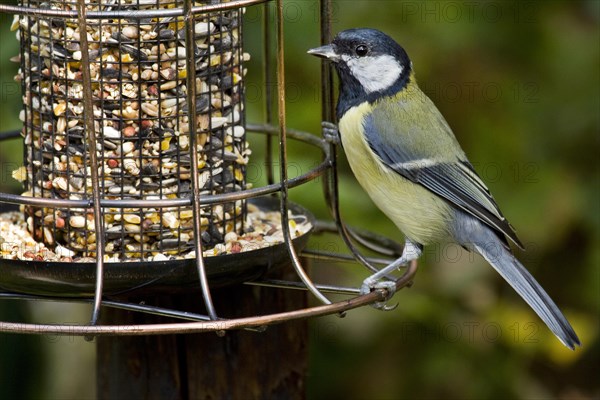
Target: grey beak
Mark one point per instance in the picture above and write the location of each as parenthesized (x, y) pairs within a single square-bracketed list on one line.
[(327, 52)]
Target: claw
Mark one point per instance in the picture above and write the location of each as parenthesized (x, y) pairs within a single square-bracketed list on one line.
[(330, 132), (389, 308), (390, 287)]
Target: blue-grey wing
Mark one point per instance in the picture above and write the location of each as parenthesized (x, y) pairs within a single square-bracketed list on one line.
[(433, 160)]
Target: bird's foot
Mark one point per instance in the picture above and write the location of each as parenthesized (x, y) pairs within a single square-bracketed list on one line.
[(331, 132), (376, 281), (370, 285)]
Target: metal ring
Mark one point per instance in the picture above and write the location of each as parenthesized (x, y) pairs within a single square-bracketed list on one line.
[(204, 200), (208, 326), (136, 15)]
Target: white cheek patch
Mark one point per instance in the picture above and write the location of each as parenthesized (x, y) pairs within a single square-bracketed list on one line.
[(374, 73)]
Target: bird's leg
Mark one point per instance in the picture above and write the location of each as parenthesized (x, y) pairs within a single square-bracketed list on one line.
[(331, 132), (410, 252)]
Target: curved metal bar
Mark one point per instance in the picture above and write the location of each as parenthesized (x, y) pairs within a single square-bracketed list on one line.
[(330, 183), (193, 127), (372, 241), (285, 227), (332, 256), (332, 195), (268, 77), (193, 327), (205, 200), (327, 105), (283, 284), (10, 135), (88, 119), (331, 188), (209, 326), (160, 311), (128, 14), (44, 202), (392, 249)]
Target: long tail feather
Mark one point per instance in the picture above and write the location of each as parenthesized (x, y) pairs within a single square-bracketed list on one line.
[(531, 291)]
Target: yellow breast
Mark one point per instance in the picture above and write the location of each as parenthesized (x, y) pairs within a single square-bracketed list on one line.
[(418, 213)]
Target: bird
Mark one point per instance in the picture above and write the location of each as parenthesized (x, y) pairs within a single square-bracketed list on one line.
[(407, 158)]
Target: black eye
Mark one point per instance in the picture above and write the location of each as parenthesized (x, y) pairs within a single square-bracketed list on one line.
[(361, 50)]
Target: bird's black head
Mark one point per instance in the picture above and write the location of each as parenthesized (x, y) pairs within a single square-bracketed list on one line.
[(370, 64)]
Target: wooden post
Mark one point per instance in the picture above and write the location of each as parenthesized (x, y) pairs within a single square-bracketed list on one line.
[(240, 365)]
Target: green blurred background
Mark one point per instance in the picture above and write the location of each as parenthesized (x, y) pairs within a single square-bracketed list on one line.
[(519, 82)]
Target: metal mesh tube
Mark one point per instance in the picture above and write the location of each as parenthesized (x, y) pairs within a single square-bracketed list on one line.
[(138, 71)]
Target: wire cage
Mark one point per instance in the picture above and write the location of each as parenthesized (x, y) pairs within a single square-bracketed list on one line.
[(135, 156)]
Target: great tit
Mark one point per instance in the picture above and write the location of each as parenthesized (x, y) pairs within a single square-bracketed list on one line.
[(405, 156)]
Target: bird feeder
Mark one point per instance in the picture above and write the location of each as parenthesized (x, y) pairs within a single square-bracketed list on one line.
[(136, 147)]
